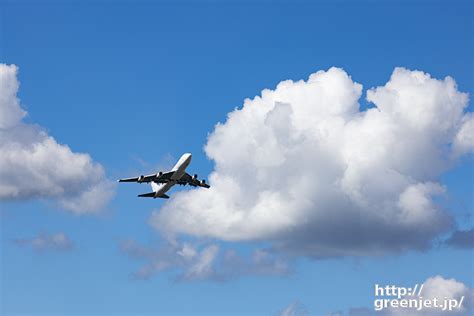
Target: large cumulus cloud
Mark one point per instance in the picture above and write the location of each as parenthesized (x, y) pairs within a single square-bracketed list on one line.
[(34, 165), (303, 167)]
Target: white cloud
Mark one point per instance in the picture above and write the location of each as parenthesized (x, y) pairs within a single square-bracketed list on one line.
[(43, 242), (194, 262), (442, 289), (464, 141), (303, 167), (295, 309), (10, 110), (201, 268), (434, 287), (34, 165)]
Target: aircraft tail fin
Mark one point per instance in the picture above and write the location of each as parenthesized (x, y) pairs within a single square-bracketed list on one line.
[(152, 195)]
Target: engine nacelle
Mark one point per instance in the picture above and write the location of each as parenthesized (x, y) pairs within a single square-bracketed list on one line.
[(203, 181), (159, 174), (195, 176), (140, 179)]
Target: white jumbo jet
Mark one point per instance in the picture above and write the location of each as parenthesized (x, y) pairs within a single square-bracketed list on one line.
[(162, 182)]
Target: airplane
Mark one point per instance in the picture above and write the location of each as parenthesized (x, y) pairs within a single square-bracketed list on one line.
[(162, 182)]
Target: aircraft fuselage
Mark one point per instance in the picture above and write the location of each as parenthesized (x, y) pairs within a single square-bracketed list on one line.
[(179, 169), (161, 182)]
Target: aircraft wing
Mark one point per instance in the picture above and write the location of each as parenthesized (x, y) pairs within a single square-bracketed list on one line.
[(159, 178), (140, 179), (193, 181)]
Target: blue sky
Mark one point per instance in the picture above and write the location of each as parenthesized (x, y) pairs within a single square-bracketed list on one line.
[(137, 84)]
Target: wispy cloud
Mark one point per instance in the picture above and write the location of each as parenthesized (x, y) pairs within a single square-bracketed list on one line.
[(295, 308), (463, 239), (194, 262), (47, 242)]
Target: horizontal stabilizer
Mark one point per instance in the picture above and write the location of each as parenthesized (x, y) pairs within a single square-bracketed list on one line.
[(152, 195)]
